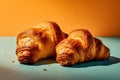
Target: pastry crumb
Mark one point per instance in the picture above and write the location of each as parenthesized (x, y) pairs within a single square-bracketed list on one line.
[(44, 69), (13, 61)]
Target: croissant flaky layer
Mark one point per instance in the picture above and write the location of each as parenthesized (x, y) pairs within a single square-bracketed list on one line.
[(47, 40), (80, 46), (38, 42)]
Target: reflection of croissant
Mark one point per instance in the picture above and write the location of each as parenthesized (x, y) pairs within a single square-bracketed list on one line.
[(80, 46), (39, 42)]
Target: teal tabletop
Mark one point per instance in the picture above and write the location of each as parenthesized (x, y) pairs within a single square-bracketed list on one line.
[(49, 69)]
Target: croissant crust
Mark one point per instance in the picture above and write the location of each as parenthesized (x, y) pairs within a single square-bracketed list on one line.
[(38, 42), (80, 46)]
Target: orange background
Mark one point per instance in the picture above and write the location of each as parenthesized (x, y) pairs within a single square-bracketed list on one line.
[(101, 17)]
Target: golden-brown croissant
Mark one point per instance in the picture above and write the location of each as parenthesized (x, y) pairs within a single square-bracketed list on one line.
[(80, 46), (38, 42)]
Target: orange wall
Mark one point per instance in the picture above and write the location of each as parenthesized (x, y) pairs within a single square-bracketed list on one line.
[(101, 17)]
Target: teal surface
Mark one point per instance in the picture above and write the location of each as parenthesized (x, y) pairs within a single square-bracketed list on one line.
[(49, 69)]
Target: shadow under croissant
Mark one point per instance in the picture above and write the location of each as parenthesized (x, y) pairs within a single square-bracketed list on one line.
[(110, 61), (46, 61)]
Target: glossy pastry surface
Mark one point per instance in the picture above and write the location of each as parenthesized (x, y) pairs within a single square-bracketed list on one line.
[(80, 46), (38, 42)]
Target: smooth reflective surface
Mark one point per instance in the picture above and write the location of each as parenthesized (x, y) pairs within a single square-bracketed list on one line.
[(11, 69)]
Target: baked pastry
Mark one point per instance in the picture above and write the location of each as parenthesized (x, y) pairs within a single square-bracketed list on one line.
[(38, 42), (80, 46)]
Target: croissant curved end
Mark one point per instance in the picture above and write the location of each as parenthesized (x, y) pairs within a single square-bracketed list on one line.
[(66, 59), (25, 57)]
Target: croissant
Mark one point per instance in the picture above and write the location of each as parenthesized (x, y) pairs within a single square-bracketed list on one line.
[(38, 42), (80, 46)]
